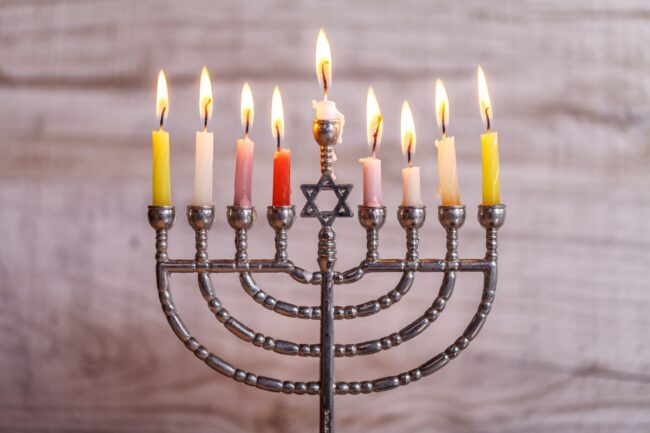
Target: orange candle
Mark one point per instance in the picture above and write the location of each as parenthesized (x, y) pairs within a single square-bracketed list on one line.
[(282, 157)]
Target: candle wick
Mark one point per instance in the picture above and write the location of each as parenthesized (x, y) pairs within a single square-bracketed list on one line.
[(205, 116), (375, 136), (408, 152), (324, 78), (162, 117), (248, 123), (444, 128), (487, 117), (277, 133)]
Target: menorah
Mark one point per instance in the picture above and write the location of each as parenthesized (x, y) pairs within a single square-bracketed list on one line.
[(281, 218)]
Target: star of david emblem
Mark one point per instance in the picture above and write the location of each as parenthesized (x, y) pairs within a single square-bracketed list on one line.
[(326, 217)]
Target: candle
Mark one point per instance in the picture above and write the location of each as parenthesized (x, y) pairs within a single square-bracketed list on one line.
[(326, 109), (282, 157), (372, 165), (489, 147), (447, 173), (204, 146), (245, 148), (161, 184), (410, 174)]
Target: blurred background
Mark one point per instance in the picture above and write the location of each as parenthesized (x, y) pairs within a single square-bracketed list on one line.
[(85, 347)]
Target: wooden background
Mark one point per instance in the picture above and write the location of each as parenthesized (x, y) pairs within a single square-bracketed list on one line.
[(84, 346)]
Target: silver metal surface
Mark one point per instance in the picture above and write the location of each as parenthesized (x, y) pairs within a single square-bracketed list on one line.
[(411, 218), (281, 219)]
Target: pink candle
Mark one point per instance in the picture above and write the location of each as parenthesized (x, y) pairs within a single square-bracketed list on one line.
[(371, 182), (372, 165), (244, 172), (245, 147)]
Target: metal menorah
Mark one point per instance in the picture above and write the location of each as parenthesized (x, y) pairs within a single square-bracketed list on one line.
[(281, 218)]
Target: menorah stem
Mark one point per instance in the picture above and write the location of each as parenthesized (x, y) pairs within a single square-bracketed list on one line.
[(326, 260), (241, 245), (491, 244)]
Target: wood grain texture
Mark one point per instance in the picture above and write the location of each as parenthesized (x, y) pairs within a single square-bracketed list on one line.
[(84, 344)]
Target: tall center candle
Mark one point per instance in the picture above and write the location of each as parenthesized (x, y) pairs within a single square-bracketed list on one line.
[(326, 109), (447, 172), (204, 146), (245, 150), (372, 165)]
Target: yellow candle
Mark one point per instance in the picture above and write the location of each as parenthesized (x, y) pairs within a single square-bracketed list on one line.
[(489, 147), (161, 184), (447, 172)]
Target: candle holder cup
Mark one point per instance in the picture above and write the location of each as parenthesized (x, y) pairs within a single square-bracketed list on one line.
[(326, 277)]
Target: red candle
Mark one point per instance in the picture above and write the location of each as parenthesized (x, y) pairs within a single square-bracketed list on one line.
[(282, 157), (282, 177)]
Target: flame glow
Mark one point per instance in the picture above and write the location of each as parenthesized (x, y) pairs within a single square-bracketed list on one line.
[(277, 115), (323, 60), (484, 97), (205, 94), (247, 106), (162, 98), (408, 130), (442, 105), (374, 119)]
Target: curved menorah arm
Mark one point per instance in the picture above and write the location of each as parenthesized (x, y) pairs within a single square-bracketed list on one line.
[(314, 312), (284, 347)]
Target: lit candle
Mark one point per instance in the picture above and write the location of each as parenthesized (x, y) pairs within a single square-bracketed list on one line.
[(372, 165), (161, 184), (325, 109), (282, 157), (204, 145), (245, 148), (489, 146), (447, 173), (410, 174)]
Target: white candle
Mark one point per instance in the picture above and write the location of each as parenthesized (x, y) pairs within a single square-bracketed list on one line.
[(326, 109), (203, 169), (204, 146), (447, 174), (410, 175), (411, 187)]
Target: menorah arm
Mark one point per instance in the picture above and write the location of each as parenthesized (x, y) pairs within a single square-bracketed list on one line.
[(284, 347), (314, 312)]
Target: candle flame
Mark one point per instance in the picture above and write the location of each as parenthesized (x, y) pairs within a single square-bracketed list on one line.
[(484, 98), (323, 61), (205, 95), (277, 116), (374, 120), (408, 131), (442, 106), (247, 107), (162, 98)]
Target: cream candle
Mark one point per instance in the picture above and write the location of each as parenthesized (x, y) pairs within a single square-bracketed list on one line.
[(204, 146), (447, 173), (245, 149), (410, 175), (160, 179), (326, 109), (489, 146), (372, 165)]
